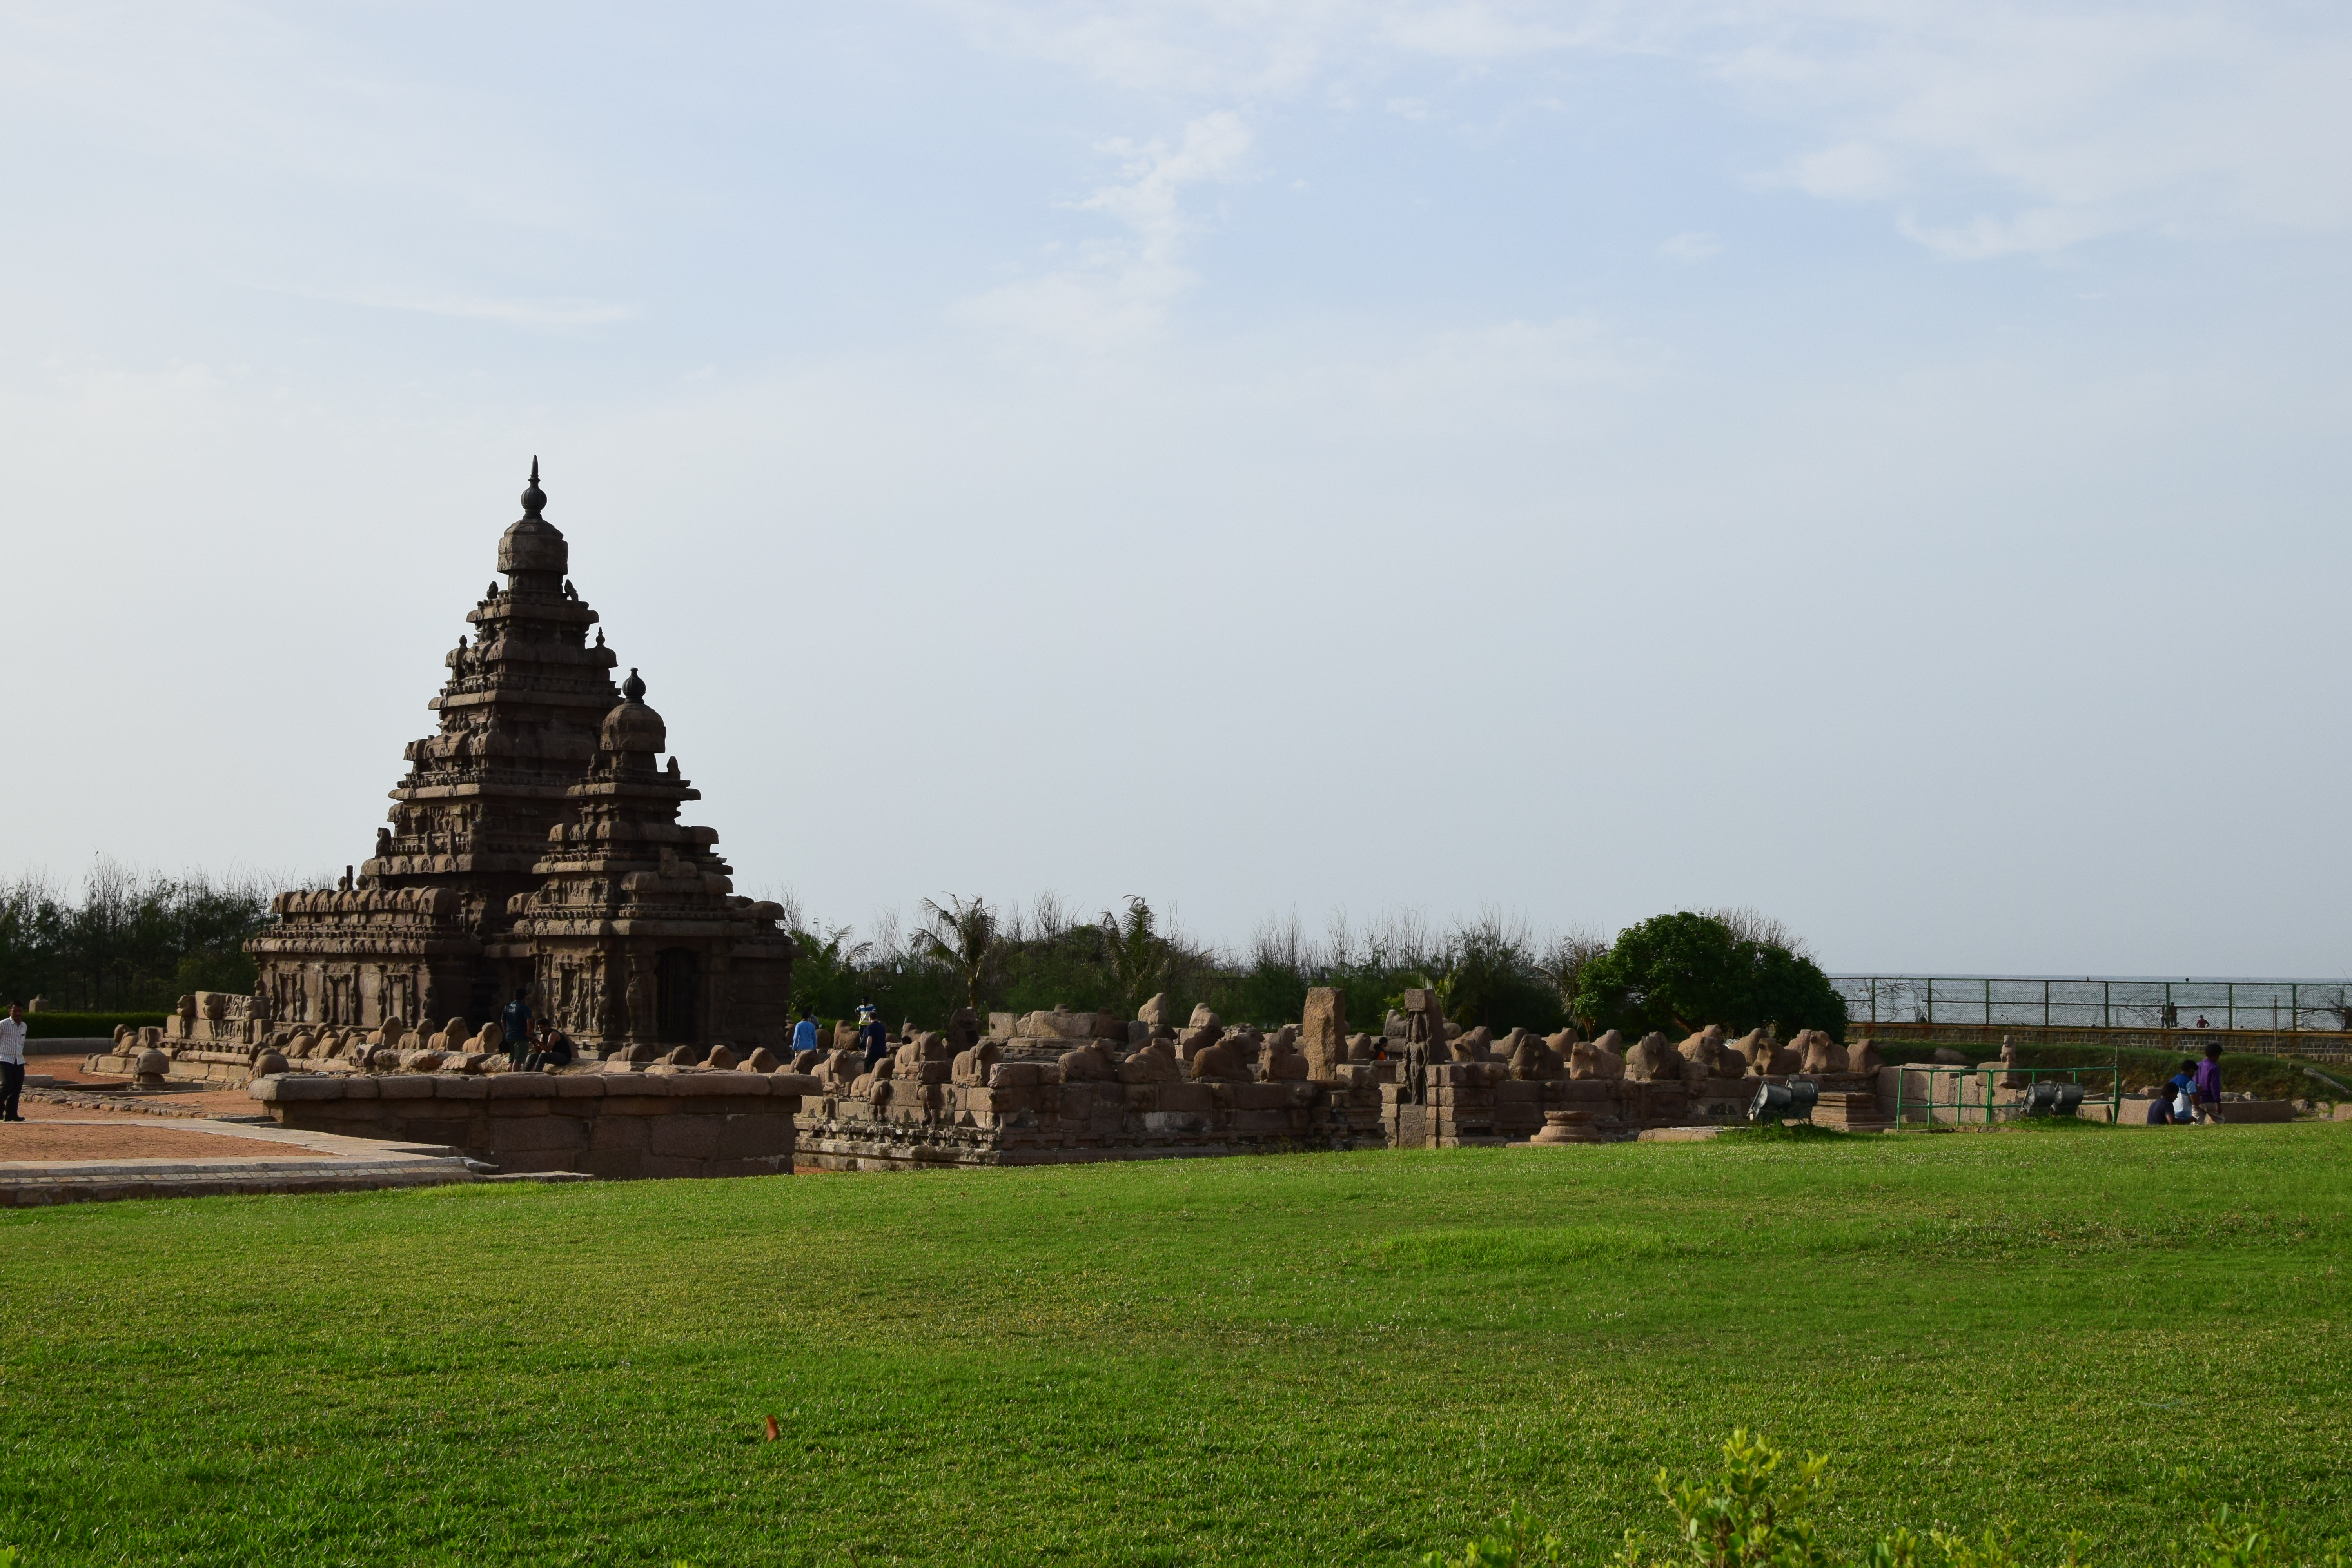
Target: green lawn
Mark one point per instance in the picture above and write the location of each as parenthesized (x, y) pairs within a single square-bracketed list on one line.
[(1326, 1358)]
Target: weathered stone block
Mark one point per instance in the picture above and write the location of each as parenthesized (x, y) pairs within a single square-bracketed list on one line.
[(685, 1135), (278, 1091), (611, 1135), (716, 1085), (537, 1132), (1323, 1031), (525, 1160), (744, 1137), (613, 1165)]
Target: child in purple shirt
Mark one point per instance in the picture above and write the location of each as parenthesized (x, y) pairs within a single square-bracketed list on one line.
[(2208, 1085)]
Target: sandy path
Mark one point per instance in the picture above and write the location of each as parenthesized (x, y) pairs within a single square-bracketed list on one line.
[(70, 1132), (67, 1071)]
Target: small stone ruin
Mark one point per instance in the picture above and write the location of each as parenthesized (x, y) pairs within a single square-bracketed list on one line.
[(1052, 1087)]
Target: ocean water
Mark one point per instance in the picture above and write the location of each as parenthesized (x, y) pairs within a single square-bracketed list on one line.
[(2121, 1002)]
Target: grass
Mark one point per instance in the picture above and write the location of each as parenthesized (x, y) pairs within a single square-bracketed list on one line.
[(1327, 1358)]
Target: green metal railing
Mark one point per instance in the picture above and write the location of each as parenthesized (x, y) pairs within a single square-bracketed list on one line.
[(2280, 1007), (1989, 1107)]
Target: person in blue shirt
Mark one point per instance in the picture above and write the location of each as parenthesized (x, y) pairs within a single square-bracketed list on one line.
[(2182, 1083), (514, 1026), (804, 1031)]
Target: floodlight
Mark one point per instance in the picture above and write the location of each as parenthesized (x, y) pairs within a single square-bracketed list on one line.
[(1792, 1101), (2054, 1097)]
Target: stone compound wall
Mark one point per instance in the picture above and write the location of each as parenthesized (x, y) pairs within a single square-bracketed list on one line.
[(1025, 1115), (620, 1124)]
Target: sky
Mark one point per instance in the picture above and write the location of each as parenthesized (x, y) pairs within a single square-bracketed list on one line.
[(1880, 463)]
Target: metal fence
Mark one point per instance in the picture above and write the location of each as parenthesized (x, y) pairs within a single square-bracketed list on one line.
[(2280, 1007)]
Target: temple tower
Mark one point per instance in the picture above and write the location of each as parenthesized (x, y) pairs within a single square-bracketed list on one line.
[(519, 717), (639, 935), (643, 942)]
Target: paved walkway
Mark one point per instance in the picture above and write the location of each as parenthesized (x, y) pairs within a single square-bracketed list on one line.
[(69, 1153)]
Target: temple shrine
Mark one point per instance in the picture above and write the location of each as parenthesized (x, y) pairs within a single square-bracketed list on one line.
[(534, 845)]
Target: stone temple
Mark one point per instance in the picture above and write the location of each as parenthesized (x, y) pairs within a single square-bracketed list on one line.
[(534, 844)]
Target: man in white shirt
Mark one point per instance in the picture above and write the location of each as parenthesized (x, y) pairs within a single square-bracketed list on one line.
[(12, 1062)]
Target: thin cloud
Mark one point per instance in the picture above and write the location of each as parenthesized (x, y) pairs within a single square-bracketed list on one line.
[(1122, 293), (2057, 123), (542, 313)]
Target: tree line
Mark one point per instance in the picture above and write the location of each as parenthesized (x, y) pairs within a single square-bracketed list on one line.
[(127, 940), (134, 940), (1676, 973)]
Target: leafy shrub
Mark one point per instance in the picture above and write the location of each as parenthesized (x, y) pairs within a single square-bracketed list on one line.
[(47, 1026), (1681, 971), (1751, 1513), (131, 940)]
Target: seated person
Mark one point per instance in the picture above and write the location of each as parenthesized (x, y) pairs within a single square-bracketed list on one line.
[(551, 1049), (2160, 1109), (2180, 1092)]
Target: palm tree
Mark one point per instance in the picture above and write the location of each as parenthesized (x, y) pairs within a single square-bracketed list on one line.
[(1141, 961), (962, 936)]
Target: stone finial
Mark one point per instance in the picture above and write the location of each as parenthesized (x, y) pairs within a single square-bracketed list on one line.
[(633, 689), (534, 499)]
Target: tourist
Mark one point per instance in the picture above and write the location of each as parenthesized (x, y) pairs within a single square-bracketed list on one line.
[(804, 1031), (552, 1050), (12, 1062), (2182, 1086), (514, 1026), (2208, 1078), (2202, 1023), (872, 1034), (2159, 1106)]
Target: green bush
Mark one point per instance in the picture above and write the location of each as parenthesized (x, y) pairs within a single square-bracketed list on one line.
[(49, 1026), (1681, 971), (130, 940)]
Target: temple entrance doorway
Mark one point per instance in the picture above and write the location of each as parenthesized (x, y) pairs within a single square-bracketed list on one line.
[(680, 977)]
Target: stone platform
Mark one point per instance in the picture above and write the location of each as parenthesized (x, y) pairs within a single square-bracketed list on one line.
[(67, 1154), (683, 1122)]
